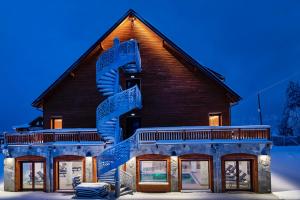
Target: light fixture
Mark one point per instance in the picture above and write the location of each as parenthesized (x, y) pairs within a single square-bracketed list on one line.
[(132, 114), (88, 154), (132, 76)]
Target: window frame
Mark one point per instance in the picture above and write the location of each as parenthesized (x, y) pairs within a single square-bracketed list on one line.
[(52, 120), (153, 182), (219, 114)]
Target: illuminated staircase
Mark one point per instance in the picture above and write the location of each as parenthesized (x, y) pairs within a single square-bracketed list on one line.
[(123, 56)]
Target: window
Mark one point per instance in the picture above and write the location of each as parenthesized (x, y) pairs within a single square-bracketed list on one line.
[(56, 123), (215, 119), (238, 175), (67, 171), (132, 82), (32, 175), (195, 175), (153, 171)]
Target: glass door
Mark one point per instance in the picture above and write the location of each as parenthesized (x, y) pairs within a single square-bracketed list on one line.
[(195, 175), (32, 175), (238, 175), (67, 171)]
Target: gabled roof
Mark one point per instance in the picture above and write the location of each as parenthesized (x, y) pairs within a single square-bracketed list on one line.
[(131, 13)]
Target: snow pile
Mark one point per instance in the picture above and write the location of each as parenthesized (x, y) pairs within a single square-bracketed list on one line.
[(285, 167), (1, 172)]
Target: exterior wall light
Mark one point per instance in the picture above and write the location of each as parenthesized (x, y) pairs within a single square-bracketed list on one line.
[(132, 114), (132, 76), (88, 154)]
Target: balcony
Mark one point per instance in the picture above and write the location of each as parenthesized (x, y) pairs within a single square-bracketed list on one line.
[(146, 135), (52, 135), (204, 134)]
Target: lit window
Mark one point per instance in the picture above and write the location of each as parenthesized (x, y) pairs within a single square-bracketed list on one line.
[(56, 123), (153, 171), (215, 119)]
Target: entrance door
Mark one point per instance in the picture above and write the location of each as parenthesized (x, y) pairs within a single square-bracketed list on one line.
[(32, 175), (238, 175), (67, 171), (195, 174), (132, 123)]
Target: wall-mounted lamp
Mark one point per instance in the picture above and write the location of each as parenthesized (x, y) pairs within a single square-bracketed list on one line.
[(88, 154), (132, 18), (132, 114), (132, 76), (174, 153)]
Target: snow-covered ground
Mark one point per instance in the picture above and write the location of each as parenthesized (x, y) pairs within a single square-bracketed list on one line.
[(285, 183), (286, 172), (1, 172)]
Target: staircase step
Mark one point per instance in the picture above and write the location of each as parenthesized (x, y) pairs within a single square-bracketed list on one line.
[(109, 74), (127, 191), (106, 78)]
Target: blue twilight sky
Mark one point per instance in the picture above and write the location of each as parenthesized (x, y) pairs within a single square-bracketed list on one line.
[(254, 44)]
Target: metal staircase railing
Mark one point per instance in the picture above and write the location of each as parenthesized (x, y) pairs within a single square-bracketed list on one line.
[(124, 56)]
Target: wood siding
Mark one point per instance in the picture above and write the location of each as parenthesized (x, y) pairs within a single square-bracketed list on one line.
[(173, 93)]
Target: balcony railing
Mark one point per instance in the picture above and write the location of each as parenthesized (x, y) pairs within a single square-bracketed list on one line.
[(205, 133), (147, 135), (50, 137)]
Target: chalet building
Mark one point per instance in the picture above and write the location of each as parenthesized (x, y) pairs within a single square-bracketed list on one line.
[(138, 112)]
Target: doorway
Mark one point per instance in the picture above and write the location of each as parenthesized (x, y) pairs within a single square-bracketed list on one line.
[(195, 175), (32, 175), (132, 123), (238, 175), (195, 172)]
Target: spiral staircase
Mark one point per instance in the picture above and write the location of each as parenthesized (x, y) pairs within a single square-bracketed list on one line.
[(123, 56)]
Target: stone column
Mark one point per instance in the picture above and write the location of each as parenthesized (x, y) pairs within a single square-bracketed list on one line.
[(217, 168), (264, 174), (49, 171), (9, 174), (174, 173), (131, 169), (89, 169)]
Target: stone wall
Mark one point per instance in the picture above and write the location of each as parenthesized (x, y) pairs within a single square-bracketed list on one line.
[(9, 174), (216, 150), (49, 152)]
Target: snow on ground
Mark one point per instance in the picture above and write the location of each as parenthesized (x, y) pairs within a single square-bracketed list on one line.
[(1, 172), (285, 166)]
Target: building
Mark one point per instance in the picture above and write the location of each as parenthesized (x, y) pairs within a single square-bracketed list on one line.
[(168, 129)]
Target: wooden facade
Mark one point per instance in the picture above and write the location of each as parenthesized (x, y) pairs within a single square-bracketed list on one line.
[(175, 92)]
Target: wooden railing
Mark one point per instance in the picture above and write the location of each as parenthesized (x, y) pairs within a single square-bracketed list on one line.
[(145, 135), (223, 133), (46, 137)]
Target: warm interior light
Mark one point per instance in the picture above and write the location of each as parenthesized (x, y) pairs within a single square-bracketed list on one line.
[(56, 123), (215, 119)]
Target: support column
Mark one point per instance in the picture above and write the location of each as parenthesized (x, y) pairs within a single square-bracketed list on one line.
[(49, 171), (174, 173), (89, 169), (9, 175), (217, 169), (264, 174)]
